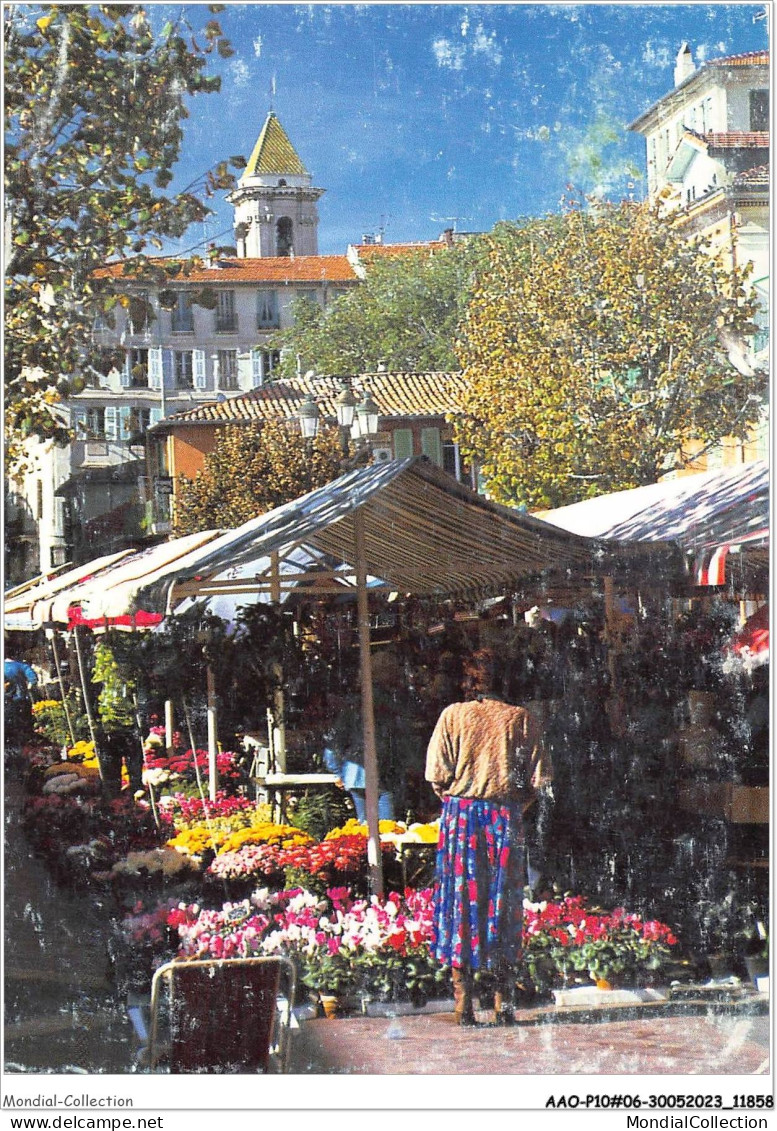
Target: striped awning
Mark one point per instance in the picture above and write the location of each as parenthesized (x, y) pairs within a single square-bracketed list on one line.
[(713, 516)]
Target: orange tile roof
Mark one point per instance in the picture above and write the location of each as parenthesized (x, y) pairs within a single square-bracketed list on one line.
[(396, 394), (746, 59), (381, 250), (740, 139), (267, 269)]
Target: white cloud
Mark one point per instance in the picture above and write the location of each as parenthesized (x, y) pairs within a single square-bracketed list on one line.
[(447, 55), (257, 45), (239, 72), (485, 44), (465, 26), (656, 55)]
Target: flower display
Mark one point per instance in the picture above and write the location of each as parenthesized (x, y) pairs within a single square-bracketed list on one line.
[(391, 832), (221, 836), (336, 861), (186, 812), (565, 939), (152, 861), (183, 766)]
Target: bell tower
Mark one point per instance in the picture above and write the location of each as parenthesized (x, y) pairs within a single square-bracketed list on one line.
[(275, 201)]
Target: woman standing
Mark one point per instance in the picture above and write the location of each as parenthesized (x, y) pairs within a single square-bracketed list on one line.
[(486, 763)]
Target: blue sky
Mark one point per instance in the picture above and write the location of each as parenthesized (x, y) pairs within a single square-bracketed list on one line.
[(412, 114)]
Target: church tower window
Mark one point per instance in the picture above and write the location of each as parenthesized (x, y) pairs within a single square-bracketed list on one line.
[(284, 232)]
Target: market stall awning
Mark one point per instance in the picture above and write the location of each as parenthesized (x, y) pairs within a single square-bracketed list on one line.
[(424, 534), (106, 600), (710, 515), (27, 607)]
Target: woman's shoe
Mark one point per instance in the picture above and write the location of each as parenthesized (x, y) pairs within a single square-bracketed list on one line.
[(462, 997)]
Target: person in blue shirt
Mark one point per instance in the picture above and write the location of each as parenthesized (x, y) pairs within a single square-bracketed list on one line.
[(19, 680)]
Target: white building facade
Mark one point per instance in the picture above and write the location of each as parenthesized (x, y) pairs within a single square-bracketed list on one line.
[(202, 336), (707, 146)]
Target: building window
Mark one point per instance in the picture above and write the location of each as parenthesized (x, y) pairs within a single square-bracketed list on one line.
[(138, 422), (182, 315), (267, 311), (138, 368), (269, 361), (39, 499), (284, 236), (451, 459), (759, 110), (183, 369), (139, 313), (227, 367), (226, 319), (95, 423)]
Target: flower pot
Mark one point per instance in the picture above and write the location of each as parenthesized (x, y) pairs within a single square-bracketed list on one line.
[(603, 984), (330, 1004)]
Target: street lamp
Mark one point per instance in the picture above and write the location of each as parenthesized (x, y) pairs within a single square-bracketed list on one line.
[(345, 404), (367, 414), (308, 415)]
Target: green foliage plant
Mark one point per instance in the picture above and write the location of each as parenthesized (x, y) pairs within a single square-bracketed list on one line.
[(95, 98)]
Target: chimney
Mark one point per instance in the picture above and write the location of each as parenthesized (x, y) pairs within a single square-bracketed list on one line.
[(447, 237), (683, 67), (381, 366)]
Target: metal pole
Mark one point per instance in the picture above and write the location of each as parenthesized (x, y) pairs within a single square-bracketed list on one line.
[(278, 705), (168, 725), (55, 652), (213, 771), (87, 699), (371, 780)]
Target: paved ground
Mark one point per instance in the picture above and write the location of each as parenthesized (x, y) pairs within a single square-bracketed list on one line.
[(680, 1045), (61, 1014)]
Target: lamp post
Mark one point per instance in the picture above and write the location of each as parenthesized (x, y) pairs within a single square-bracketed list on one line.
[(345, 406), (308, 415)]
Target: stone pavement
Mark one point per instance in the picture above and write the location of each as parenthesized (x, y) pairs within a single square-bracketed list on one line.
[(660, 1043)]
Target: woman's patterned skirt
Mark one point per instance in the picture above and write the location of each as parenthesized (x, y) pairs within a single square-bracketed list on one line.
[(479, 881)]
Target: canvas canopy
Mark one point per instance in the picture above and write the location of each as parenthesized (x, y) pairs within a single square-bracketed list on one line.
[(423, 534), (710, 515)]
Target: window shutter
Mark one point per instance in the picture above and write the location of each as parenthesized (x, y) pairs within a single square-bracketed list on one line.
[(155, 367), (126, 374), (111, 423), (155, 415), (245, 370), (59, 516), (216, 372), (79, 423), (125, 415), (167, 368), (403, 443), (198, 365), (256, 367), (431, 446)]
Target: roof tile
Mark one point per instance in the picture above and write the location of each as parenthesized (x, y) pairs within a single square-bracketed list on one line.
[(267, 269), (273, 153), (396, 394)]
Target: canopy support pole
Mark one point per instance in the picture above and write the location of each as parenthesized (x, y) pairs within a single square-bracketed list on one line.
[(213, 770), (168, 725), (278, 704), (371, 780), (87, 700), (61, 682)]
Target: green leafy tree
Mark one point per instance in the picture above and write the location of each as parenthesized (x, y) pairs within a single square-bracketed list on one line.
[(593, 349), (94, 105), (252, 469), (405, 312)]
